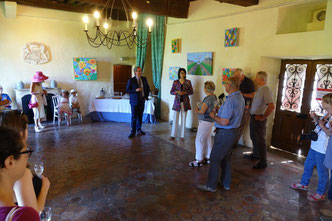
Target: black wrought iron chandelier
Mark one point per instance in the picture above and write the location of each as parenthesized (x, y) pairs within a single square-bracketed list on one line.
[(111, 36)]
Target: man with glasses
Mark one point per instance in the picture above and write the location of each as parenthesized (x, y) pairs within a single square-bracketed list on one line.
[(227, 122)]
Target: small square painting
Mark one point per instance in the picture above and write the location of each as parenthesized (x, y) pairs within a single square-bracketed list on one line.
[(176, 45), (231, 37), (85, 69), (173, 73), (226, 73)]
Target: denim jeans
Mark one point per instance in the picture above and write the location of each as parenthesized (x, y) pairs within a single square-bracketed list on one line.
[(329, 195), (315, 158)]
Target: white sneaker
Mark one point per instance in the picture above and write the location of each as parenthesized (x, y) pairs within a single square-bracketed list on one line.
[(37, 129), (41, 126)]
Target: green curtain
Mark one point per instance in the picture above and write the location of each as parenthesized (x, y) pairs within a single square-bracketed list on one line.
[(142, 31), (157, 55)]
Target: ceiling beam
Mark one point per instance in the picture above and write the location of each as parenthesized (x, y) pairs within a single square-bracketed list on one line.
[(244, 3), (171, 8)]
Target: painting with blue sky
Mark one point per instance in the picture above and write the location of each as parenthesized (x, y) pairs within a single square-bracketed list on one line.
[(200, 63)]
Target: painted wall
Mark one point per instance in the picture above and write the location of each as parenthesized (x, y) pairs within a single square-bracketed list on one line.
[(260, 48), (62, 32)]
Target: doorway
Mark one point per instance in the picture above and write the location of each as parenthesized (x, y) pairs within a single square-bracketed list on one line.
[(302, 84), (121, 75)]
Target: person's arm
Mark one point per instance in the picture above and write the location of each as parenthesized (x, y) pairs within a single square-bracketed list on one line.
[(190, 90), (130, 89), (322, 124), (173, 89), (25, 193), (43, 193), (268, 111), (203, 109), (219, 120)]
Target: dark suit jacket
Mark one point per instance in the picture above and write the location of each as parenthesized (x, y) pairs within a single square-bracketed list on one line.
[(132, 85)]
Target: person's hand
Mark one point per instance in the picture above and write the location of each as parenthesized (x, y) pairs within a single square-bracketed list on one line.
[(196, 110), (179, 93), (45, 182), (322, 123), (45, 92), (259, 117), (313, 115), (138, 89)]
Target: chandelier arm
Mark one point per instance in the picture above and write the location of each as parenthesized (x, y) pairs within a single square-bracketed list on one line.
[(91, 40)]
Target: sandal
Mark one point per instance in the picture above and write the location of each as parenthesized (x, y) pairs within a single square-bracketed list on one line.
[(171, 138), (299, 186), (195, 163), (316, 197), (207, 161)]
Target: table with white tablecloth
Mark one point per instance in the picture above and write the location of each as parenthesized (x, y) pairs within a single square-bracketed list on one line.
[(119, 110)]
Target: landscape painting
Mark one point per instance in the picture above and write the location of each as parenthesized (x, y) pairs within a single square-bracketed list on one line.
[(200, 63)]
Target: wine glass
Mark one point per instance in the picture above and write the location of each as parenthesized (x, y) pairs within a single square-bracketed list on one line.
[(39, 169), (46, 214)]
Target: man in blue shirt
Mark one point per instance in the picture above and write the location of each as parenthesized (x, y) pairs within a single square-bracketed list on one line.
[(227, 122), (5, 100)]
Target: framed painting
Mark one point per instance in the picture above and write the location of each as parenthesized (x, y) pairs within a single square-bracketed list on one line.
[(173, 73), (200, 63), (226, 73), (85, 69), (176, 45), (231, 37)]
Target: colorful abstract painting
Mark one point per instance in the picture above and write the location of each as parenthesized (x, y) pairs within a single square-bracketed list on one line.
[(173, 73), (85, 69), (176, 45), (231, 37), (226, 73), (200, 63)]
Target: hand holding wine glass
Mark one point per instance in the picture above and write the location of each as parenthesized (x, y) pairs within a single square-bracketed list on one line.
[(39, 169)]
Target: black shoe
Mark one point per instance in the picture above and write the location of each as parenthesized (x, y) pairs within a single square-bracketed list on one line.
[(140, 132), (131, 135), (260, 165), (250, 156)]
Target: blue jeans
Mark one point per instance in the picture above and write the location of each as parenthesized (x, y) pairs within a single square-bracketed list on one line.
[(315, 158), (329, 195)]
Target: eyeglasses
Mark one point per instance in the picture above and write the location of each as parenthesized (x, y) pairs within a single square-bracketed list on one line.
[(28, 151)]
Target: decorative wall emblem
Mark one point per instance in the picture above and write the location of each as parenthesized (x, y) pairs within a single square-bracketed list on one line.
[(35, 53)]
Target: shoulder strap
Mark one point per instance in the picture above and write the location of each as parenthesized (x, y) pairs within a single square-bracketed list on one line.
[(11, 213)]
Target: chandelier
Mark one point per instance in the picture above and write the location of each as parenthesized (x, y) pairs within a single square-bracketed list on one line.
[(110, 35)]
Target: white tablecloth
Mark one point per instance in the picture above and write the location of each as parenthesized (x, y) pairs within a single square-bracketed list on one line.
[(118, 106)]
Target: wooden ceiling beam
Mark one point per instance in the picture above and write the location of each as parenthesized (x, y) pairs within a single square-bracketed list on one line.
[(244, 3), (171, 8)]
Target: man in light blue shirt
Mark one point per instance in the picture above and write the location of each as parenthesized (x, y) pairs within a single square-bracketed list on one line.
[(227, 122)]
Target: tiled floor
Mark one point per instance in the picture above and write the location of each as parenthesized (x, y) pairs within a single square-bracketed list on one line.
[(97, 173)]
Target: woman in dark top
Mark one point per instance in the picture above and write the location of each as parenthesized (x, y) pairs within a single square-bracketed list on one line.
[(14, 155), (181, 89)]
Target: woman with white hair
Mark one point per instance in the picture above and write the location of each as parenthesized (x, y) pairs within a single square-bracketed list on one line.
[(203, 141)]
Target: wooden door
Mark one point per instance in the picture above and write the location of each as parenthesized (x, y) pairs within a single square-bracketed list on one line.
[(121, 75), (302, 83)]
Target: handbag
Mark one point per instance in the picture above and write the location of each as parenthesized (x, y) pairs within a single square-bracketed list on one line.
[(32, 105)]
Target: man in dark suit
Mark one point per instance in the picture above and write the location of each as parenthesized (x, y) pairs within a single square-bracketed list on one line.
[(138, 89)]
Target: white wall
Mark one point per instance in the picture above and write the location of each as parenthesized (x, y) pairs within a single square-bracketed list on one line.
[(62, 32), (260, 48)]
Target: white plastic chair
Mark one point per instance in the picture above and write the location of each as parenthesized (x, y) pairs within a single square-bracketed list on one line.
[(79, 115), (56, 101)]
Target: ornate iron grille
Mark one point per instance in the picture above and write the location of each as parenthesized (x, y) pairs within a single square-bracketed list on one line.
[(293, 84), (323, 82)]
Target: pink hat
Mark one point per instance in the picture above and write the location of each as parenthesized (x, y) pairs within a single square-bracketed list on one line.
[(39, 77)]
